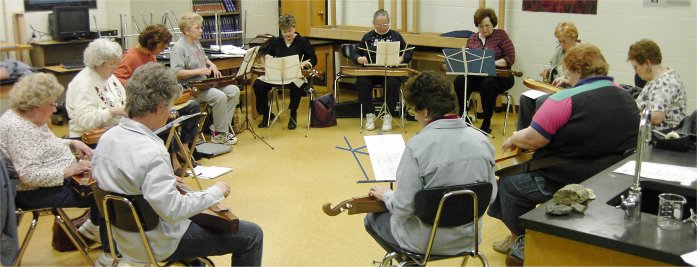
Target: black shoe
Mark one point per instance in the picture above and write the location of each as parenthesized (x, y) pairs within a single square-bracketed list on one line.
[(292, 124), (265, 121)]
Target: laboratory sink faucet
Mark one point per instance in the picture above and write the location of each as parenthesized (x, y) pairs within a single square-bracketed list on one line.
[(632, 203)]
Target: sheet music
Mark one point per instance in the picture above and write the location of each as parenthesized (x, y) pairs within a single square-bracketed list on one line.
[(386, 54), (210, 172), (248, 61), (533, 94), (385, 153), (664, 172), (177, 120), (282, 70)]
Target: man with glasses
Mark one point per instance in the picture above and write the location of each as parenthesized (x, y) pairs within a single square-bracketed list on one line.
[(365, 84)]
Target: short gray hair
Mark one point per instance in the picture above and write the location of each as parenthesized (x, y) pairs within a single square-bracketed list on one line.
[(100, 51), (380, 13), (33, 90), (150, 85)]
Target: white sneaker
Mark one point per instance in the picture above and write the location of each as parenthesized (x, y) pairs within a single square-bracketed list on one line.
[(370, 121), (89, 230), (387, 123), (224, 138)]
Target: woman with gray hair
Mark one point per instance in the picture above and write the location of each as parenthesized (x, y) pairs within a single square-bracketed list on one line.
[(43, 162), (131, 160), (95, 97)]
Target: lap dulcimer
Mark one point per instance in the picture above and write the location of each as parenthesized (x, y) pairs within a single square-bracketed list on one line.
[(355, 205), (541, 86)]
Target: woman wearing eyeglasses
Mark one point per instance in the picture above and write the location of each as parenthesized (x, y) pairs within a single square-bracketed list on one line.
[(365, 84), (504, 57)]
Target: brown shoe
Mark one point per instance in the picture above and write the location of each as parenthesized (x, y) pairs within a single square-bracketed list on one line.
[(513, 260), (503, 246)]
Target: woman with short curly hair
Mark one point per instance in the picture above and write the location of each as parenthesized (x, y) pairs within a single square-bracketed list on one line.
[(43, 162), (664, 93)]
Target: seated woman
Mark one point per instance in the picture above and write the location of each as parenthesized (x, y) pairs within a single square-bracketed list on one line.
[(43, 161), (432, 158), (504, 55), (664, 93), (129, 160), (567, 37), (292, 43), (191, 64), (151, 41)]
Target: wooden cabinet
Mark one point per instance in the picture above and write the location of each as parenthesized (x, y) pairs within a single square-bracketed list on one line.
[(49, 53), (220, 17)]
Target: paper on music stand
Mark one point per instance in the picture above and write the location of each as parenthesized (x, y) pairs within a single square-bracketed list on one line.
[(177, 120), (248, 61), (386, 55), (480, 62), (282, 70), (210, 172), (385, 153)]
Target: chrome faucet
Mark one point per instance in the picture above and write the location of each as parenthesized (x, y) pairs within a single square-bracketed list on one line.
[(632, 203)]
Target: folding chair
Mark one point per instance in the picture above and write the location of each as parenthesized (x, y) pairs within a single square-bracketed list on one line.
[(447, 207), (131, 213)]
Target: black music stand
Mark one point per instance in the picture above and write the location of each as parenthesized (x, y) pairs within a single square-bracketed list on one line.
[(242, 73), (466, 62)]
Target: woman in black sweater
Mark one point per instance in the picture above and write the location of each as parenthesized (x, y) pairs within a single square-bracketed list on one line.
[(292, 43)]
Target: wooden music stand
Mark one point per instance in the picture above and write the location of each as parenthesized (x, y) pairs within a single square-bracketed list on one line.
[(176, 136)]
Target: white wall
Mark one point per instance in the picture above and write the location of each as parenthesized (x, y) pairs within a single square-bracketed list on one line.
[(618, 24)]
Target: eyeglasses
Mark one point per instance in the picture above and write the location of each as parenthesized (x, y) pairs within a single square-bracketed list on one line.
[(381, 24)]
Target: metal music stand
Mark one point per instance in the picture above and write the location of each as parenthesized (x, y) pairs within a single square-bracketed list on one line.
[(466, 62), (242, 74), (386, 55), (278, 71)]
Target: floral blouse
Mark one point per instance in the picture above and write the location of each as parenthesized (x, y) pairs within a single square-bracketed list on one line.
[(38, 156), (665, 93)]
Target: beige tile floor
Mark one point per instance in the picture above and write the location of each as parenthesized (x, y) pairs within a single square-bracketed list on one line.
[(283, 189)]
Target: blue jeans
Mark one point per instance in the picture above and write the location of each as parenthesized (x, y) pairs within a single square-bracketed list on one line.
[(245, 245), (519, 194), (378, 226)]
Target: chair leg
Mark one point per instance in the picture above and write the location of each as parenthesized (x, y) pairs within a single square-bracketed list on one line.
[(483, 259), (30, 233), (508, 108), (69, 228), (387, 260), (309, 111)]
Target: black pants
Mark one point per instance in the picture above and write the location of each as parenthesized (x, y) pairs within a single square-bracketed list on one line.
[(364, 86), (488, 87), (526, 110), (261, 90)]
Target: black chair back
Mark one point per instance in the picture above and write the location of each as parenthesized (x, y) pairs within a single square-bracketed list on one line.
[(120, 213), (348, 50), (427, 201)]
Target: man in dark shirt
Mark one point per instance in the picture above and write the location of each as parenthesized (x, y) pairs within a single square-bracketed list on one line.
[(365, 84)]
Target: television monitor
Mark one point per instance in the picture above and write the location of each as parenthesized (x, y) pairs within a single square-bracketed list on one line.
[(69, 23), (38, 5)]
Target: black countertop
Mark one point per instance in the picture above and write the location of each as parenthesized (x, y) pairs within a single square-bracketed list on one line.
[(604, 225)]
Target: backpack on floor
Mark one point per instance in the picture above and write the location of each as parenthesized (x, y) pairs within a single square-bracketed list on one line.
[(323, 111)]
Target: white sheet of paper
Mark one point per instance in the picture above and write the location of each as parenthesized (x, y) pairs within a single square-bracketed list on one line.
[(210, 172), (690, 258), (664, 172), (533, 94), (385, 153)]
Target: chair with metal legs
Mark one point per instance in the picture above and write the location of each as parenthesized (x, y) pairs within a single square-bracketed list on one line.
[(510, 107), (132, 213), (65, 224), (447, 207)]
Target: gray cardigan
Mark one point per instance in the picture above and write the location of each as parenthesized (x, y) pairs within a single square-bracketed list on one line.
[(446, 152), (9, 241)]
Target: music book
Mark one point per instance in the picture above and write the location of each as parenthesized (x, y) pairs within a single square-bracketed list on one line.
[(210, 172), (386, 55), (177, 120), (248, 61), (480, 62), (282, 70), (385, 153)]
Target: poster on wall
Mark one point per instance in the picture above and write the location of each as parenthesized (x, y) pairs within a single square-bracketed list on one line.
[(562, 6)]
